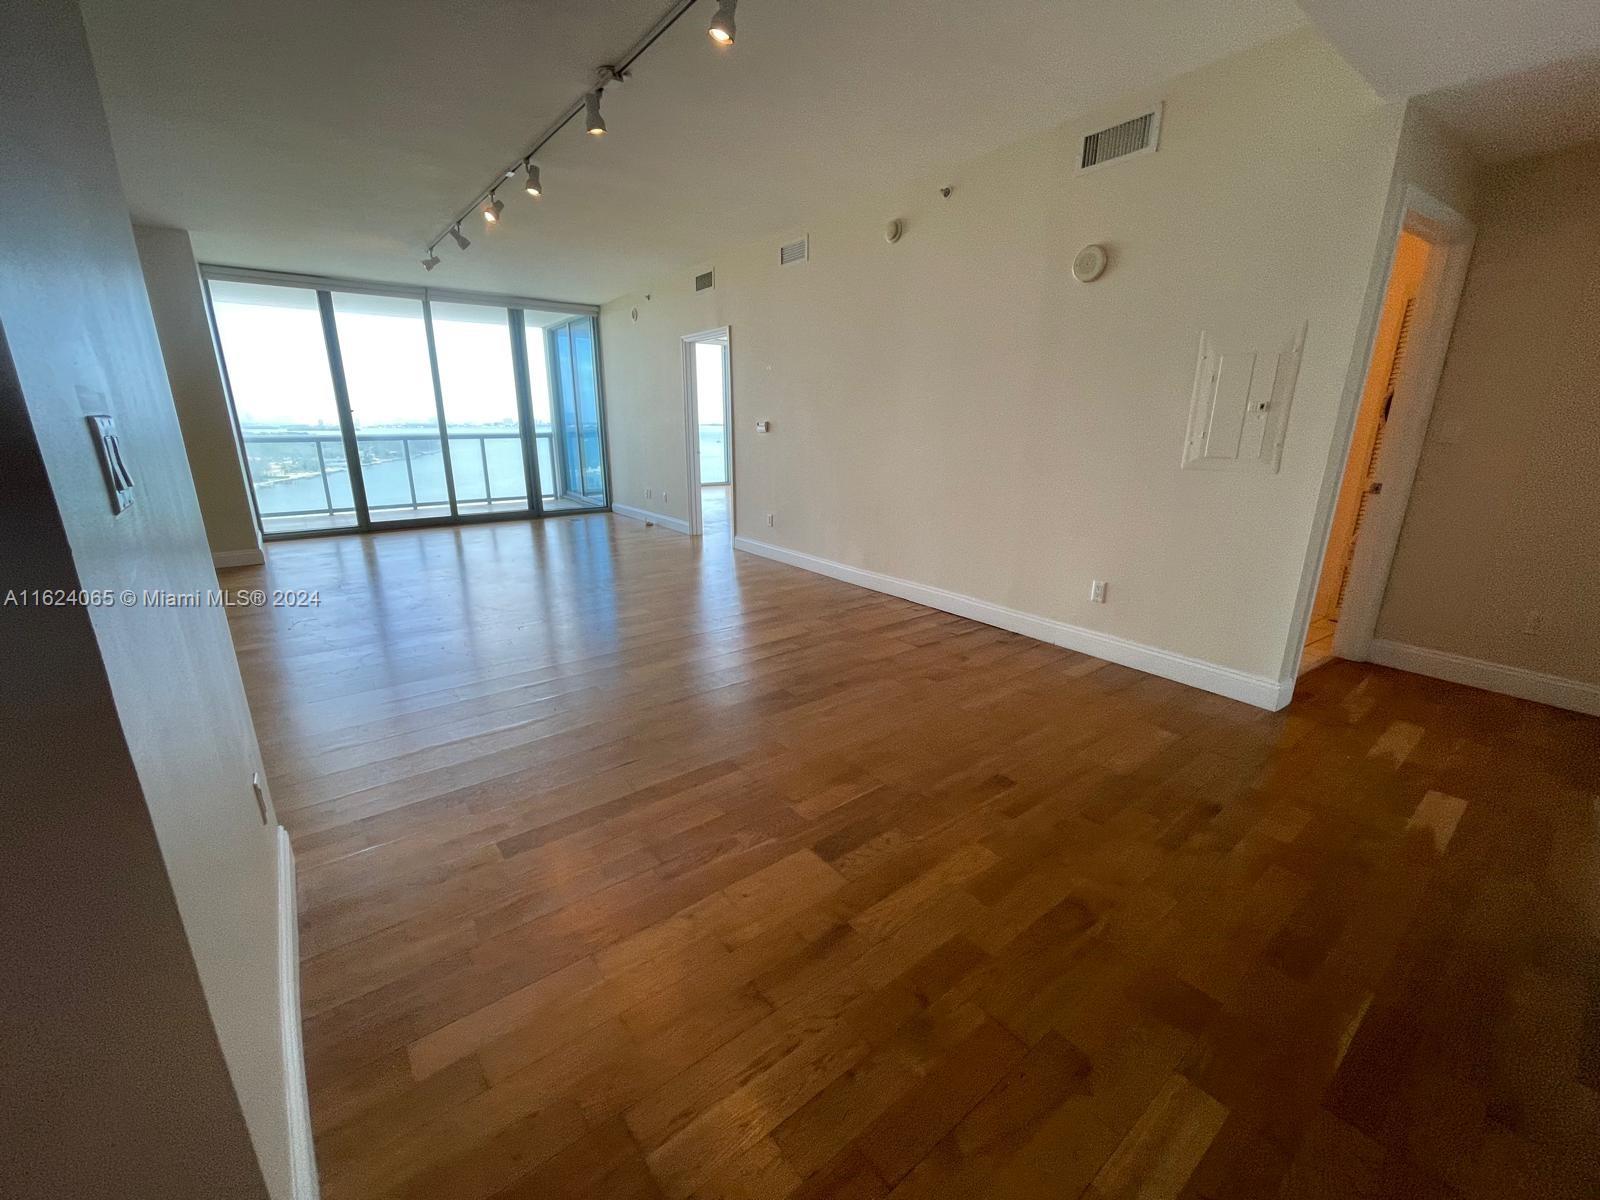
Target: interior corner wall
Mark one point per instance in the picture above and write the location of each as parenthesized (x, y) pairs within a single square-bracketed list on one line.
[(957, 411), (1499, 557), (177, 302), (77, 319)]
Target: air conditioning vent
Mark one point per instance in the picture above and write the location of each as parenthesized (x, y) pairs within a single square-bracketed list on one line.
[(794, 252), (705, 281), (1137, 135)]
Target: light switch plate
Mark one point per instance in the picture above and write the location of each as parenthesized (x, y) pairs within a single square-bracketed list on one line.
[(108, 448)]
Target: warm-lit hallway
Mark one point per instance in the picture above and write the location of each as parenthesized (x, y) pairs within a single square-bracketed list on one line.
[(630, 865)]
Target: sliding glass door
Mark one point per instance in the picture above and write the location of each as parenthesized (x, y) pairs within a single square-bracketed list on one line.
[(478, 383), (383, 348), (575, 399), (449, 408), (273, 342)]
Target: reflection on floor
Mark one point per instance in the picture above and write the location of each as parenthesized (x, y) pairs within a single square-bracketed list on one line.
[(345, 519), (630, 864), (714, 511), (568, 504), (1319, 644)]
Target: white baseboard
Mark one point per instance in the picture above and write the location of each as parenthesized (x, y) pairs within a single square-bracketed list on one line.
[(302, 1153), (224, 559), (1258, 690), (1491, 677), (640, 514)]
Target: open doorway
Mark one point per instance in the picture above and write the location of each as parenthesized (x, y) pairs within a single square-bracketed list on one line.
[(708, 401), (1426, 274)]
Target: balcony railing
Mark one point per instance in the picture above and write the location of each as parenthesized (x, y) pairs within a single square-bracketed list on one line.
[(298, 477)]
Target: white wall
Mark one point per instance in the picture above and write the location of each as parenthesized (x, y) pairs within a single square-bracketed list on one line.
[(957, 411), (177, 303), (1499, 559), (76, 314)]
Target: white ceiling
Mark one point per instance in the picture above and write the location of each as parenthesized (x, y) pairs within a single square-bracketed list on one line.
[(1528, 113), (1411, 47), (335, 137)]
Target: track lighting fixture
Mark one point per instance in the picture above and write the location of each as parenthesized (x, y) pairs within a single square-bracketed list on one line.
[(587, 104), (592, 120), (721, 30)]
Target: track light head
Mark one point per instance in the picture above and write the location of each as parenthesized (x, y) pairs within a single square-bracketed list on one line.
[(593, 121), (533, 187), (492, 208), (431, 261), (458, 237), (721, 31)]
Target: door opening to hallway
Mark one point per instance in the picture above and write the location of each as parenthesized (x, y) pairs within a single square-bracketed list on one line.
[(1419, 302), (709, 409)]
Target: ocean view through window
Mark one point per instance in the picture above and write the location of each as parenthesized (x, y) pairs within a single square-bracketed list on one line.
[(450, 407)]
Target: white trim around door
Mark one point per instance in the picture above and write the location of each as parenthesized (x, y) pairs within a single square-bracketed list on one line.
[(1452, 235)]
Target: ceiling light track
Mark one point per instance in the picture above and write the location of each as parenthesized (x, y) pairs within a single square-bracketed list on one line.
[(586, 105)]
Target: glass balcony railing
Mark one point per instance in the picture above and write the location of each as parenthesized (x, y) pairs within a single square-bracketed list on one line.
[(303, 479)]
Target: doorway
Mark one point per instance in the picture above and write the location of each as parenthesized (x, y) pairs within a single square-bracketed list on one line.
[(1426, 273), (708, 410)]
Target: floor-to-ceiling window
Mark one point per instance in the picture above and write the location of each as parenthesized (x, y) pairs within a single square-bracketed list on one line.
[(710, 399), (452, 407), (276, 350), (579, 428), (478, 381), (383, 347)]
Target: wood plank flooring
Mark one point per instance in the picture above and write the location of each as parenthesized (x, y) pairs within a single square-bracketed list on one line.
[(633, 867)]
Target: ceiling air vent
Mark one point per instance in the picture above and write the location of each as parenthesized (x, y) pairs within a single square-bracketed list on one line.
[(1137, 135), (794, 252), (705, 281)]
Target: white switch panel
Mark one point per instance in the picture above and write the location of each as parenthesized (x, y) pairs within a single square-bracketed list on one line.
[(1097, 591), (1239, 410)]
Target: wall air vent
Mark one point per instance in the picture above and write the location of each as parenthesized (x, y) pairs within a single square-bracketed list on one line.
[(794, 252), (705, 281), (1137, 135)]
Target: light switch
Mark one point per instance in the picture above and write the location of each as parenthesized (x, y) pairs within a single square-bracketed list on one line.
[(108, 448)]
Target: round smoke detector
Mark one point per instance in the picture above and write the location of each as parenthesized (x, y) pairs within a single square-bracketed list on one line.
[(1090, 263), (635, 315), (894, 231)]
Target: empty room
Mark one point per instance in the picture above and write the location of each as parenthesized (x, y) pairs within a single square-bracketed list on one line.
[(699, 599)]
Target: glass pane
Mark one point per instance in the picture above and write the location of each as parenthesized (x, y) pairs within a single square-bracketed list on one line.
[(384, 346), (587, 374), (539, 393), (708, 389), (466, 460), (478, 381), (545, 447), (277, 361), (566, 406)]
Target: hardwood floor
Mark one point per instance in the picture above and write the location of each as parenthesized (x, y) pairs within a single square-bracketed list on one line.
[(633, 867)]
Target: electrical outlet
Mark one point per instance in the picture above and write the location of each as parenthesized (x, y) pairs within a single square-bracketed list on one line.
[(649, 494), (663, 496), (1533, 623), (771, 520), (1097, 591)]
